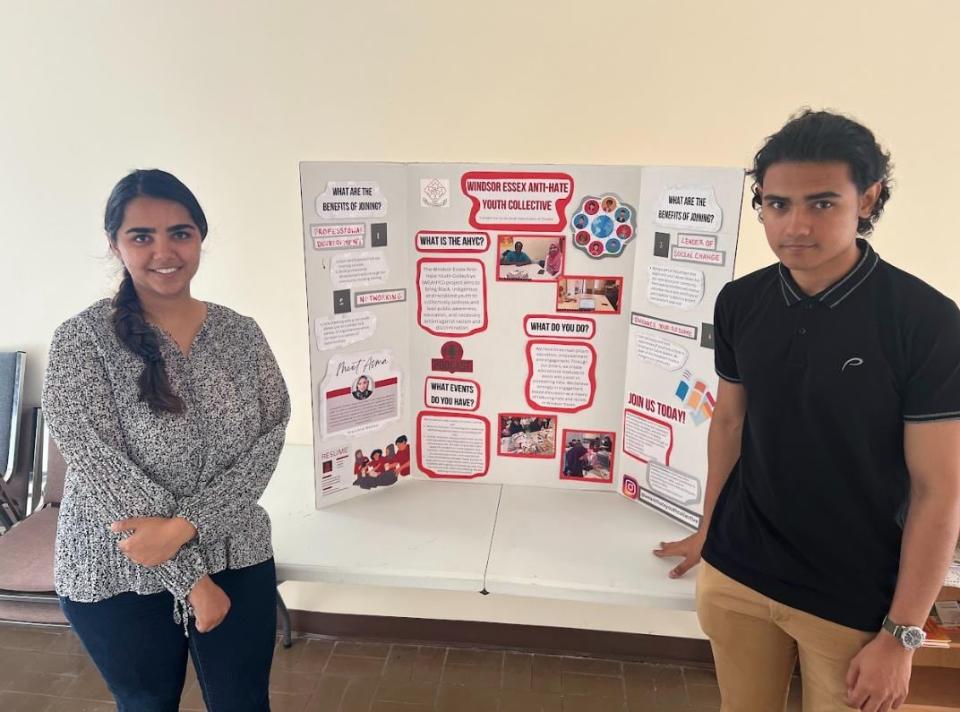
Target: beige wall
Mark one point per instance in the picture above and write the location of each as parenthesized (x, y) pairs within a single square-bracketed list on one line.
[(231, 95)]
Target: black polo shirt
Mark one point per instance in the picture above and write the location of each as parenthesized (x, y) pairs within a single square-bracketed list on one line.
[(812, 513)]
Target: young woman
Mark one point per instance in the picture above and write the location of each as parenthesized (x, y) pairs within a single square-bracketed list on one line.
[(359, 463), (390, 463), (376, 464), (171, 414), (590, 456), (391, 467), (554, 262), (361, 390)]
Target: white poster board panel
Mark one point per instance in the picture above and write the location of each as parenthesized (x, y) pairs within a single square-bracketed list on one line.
[(688, 225), (547, 317), (357, 265), (556, 319)]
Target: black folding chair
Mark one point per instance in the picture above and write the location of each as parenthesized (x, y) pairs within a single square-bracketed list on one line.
[(11, 395)]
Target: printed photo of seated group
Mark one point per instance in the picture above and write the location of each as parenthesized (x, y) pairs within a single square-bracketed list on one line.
[(384, 466), (527, 435), (530, 258), (587, 456)]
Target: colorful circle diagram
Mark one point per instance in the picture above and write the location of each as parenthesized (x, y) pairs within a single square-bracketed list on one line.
[(603, 225)]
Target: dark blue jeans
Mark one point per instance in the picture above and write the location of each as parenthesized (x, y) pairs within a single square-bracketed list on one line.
[(142, 652)]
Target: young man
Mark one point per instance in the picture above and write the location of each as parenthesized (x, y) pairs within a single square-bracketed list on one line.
[(517, 257), (403, 456), (832, 503)]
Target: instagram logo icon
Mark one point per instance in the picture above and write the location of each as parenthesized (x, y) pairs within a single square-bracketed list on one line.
[(630, 487)]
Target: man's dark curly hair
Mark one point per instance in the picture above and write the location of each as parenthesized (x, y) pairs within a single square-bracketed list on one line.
[(821, 136)]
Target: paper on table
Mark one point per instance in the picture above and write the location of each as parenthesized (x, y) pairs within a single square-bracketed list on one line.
[(953, 576), (953, 572), (949, 613)]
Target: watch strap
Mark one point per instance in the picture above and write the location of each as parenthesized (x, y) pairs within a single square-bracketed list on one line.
[(899, 631)]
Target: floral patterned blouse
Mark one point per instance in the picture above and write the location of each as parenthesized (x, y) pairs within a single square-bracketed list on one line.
[(209, 464)]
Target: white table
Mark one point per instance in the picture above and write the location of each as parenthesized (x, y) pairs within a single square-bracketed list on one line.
[(583, 546), (529, 272), (456, 536), (433, 535), (602, 304)]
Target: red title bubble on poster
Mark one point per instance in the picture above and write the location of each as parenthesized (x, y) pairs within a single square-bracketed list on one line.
[(561, 375), (451, 393), (452, 296), (517, 200), (453, 445), (451, 241), (559, 327)]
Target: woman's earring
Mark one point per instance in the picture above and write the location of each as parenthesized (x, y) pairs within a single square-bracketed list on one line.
[(760, 217)]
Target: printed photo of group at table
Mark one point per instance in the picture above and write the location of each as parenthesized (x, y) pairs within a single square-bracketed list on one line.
[(587, 456), (527, 435), (532, 258), (384, 466)]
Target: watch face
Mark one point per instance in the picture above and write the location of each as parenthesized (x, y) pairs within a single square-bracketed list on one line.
[(913, 637)]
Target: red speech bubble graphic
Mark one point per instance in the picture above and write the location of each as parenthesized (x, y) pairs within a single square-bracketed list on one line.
[(453, 446), (646, 438), (443, 281), (549, 385)]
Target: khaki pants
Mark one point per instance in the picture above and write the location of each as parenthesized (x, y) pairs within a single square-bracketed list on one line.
[(756, 642)]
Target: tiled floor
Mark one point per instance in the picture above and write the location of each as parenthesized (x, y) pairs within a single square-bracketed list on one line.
[(46, 670)]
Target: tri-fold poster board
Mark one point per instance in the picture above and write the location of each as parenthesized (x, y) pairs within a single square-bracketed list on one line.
[(516, 324)]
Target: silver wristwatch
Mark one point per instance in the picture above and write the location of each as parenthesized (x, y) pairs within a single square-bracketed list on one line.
[(911, 637)]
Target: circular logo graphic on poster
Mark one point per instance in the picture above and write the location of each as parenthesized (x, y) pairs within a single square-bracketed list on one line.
[(452, 351), (603, 225)]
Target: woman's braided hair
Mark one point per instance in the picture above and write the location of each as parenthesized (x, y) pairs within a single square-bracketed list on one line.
[(128, 321)]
